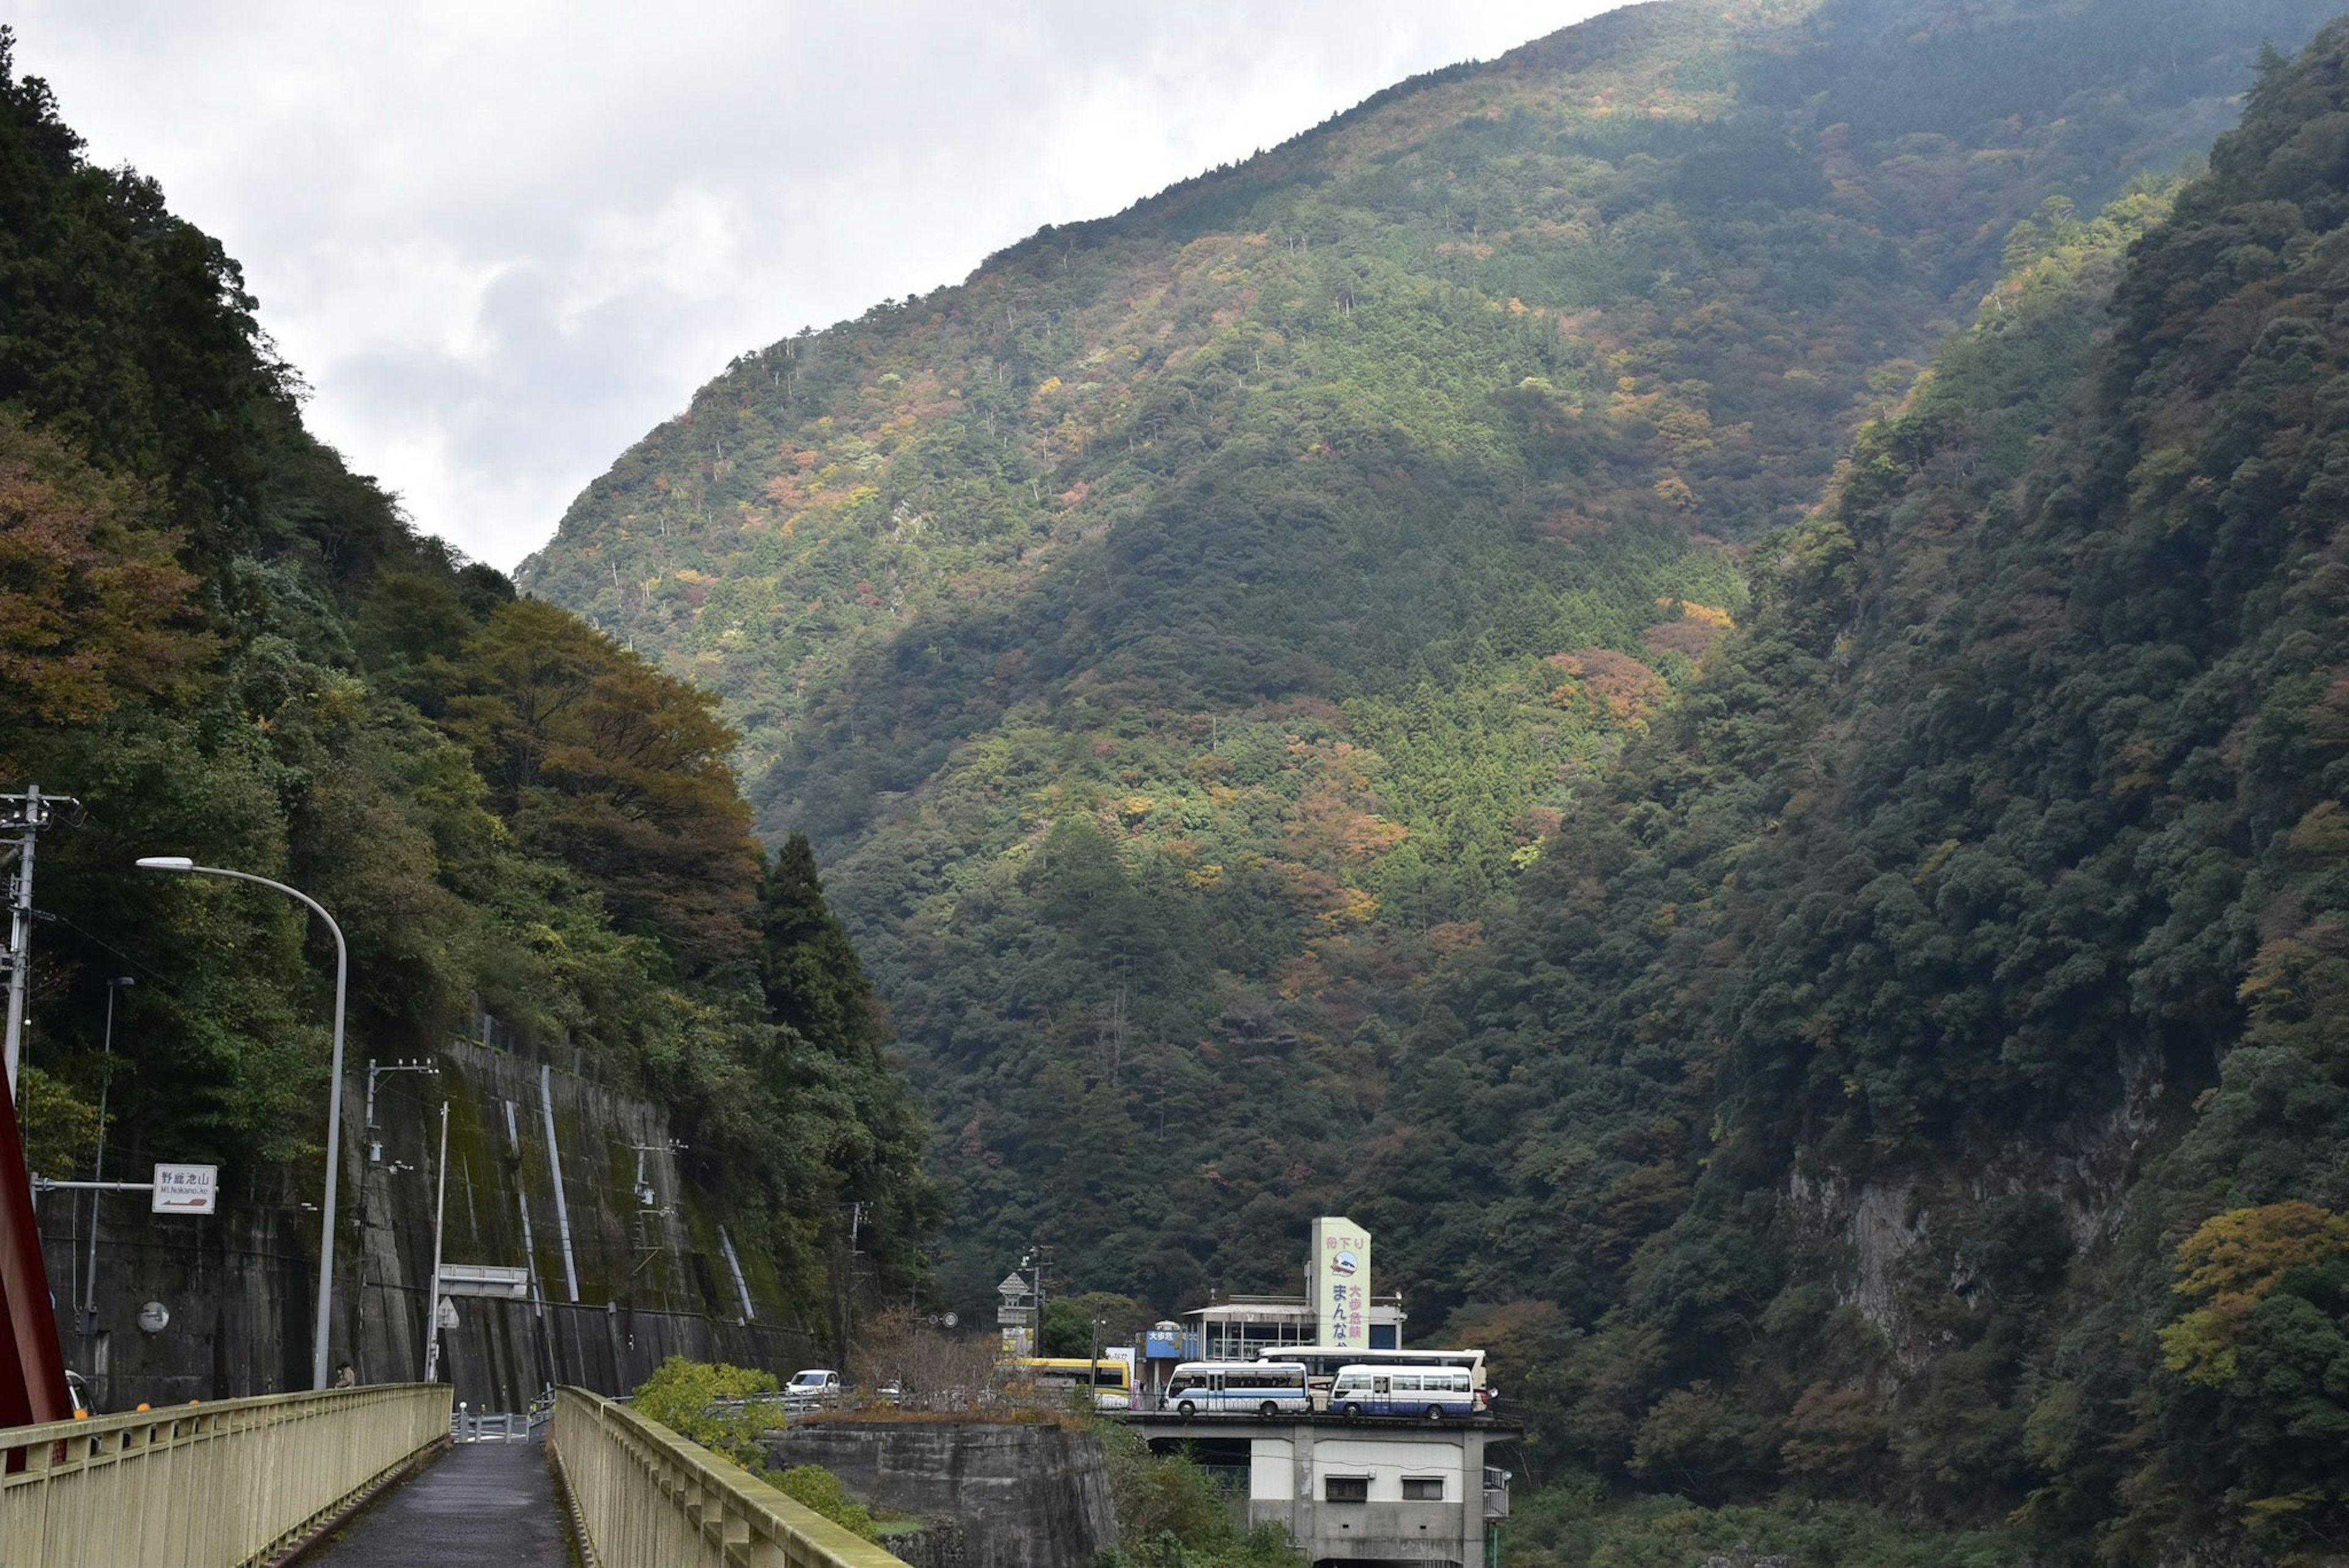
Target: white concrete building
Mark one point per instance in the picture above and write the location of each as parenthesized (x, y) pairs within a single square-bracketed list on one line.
[(1358, 1494)]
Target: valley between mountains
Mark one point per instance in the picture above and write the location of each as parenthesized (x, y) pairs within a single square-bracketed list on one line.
[(1700, 672)]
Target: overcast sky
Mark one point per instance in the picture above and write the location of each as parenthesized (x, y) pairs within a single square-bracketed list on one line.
[(503, 238)]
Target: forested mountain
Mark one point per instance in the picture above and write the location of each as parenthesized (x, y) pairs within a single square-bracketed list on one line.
[(1177, 639), (225, 644), (1919, 1068), (1701, 673)]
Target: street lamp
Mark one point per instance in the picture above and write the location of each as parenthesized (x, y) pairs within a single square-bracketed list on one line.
[(334, 1099)]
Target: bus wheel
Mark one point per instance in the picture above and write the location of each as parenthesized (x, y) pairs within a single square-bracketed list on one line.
[(1435, 1412), (1267, 1409), (1186, 1409), (1352, 1408)]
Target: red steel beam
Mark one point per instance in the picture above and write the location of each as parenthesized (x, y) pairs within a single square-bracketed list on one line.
[(32, 1364)]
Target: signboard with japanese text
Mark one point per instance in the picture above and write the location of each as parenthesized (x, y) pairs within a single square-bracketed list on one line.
[(187, 1189), (1338, 1281)]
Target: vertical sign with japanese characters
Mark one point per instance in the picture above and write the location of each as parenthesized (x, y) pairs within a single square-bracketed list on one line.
[(1338, 1279)]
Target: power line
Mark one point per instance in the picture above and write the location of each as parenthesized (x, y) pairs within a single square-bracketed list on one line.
[(161, 979)]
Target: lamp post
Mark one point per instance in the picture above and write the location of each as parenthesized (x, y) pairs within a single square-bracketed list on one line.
[(334, 1099)]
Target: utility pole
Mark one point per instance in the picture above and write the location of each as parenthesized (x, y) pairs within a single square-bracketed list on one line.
[(432, 1294), (97, 1173), (645, 1195), (848, 1289), (23, 815), (1039, 1258), (374, 1071)]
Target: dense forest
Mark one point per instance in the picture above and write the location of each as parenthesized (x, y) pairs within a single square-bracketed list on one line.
[(1918, 1070), (223, 643), (1698, 672)]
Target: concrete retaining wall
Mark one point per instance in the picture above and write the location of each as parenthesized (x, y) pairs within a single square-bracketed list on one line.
[(653, 1279), (1024, 1496)]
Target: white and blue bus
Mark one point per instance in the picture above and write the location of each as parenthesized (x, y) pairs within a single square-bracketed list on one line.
[(1323, 1362), (1239, 1388), (1384, 1390)]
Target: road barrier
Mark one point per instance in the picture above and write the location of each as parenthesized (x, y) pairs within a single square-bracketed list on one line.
[(218, 1485), (644, 1495), (485, 1427)]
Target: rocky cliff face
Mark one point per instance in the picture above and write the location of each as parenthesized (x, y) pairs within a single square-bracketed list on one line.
[(1888, 1243), (616, 1281)]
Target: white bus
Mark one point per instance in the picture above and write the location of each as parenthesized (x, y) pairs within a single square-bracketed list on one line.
[(1433, 1392), (1324, 1362), (1239, 1388)]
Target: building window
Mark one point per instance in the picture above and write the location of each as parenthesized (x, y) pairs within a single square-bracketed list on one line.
[(1422, 1489), (1346, 1488)]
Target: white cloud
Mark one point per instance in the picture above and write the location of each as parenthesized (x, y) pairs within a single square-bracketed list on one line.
[(502, 241)]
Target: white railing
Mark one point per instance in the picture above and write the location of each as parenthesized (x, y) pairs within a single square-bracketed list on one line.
[(645, 1495), (216, 1485), (490, 1427)]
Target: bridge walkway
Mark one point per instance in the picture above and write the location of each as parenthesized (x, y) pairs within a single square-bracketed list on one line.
[(485, 1503)]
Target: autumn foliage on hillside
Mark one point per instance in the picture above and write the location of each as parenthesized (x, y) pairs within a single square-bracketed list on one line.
[(1163, 634), (225, 644), (1696, 672), (1917, 1074)]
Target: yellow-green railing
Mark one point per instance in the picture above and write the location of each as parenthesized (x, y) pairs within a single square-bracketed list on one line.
[(646, 1496), (216, 1485)]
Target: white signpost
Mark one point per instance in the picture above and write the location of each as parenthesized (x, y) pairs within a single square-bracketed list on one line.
[(187, 1189)]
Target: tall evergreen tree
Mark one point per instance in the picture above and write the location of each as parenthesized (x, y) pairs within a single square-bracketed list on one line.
[(813, 979)]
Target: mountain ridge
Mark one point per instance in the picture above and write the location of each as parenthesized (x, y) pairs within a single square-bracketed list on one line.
[(1231, 675)]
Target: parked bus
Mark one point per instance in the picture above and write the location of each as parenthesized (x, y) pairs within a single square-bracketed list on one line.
[(1109, 1383), (1323, 1362), (1381, 1389), (1239, 1388)]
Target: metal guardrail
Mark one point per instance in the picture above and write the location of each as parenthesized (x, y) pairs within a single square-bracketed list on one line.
[(203, 1486), (645, 1495), (503, 1426), (488, 1427)]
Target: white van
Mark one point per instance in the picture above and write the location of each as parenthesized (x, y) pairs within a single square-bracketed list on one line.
[(1239, 1388), (811, 1386)]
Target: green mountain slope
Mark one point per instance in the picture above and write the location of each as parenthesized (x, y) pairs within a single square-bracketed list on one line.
[(1917, 1072), (227, 645), (1178, 638)]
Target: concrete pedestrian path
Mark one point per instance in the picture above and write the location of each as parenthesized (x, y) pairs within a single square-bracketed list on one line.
[(481, 1502)]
